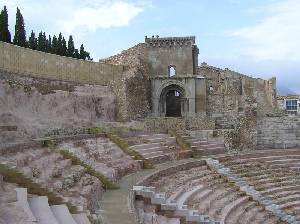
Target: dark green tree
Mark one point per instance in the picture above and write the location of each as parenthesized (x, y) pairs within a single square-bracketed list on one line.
[(4, 32), (40, 46), (82, 54), (49, 45), (64, 47), (54, 45), (32, 43), (20, 33), (59, 44), (71, 48), (76, 54)]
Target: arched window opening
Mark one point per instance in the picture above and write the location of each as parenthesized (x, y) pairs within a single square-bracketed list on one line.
[(172, 70)]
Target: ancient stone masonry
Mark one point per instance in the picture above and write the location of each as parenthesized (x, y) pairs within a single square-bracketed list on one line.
[(278, 132)]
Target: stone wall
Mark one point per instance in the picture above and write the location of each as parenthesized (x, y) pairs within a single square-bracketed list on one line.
[(278, 132), (39, 64), (165, 124), (231, 94)]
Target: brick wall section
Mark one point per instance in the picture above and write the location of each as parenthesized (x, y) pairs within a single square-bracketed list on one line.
[(44, 65), (278, 132)]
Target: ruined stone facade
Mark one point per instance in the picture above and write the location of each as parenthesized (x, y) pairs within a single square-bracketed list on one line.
[(203, 91)]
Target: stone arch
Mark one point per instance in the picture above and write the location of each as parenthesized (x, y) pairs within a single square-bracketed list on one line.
[(172, 101)]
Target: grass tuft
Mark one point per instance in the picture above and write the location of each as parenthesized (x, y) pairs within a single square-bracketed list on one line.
[(107, 184), (13, 176)]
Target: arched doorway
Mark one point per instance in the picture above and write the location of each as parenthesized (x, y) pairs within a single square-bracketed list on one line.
[(172, 101)]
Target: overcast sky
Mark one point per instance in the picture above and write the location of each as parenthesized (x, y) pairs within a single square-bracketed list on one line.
[(260, 38)]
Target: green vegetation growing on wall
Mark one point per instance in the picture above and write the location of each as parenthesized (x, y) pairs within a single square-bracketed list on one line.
[(89, 170), (180, 141), (13, 176), (112, 134)]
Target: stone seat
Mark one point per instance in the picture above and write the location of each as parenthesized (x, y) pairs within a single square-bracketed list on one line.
[(230, 208), (22, 201), (154, 149), (41, 210), (62, 214), (258, 155), (276, 190), (145, 146), (81, 218)]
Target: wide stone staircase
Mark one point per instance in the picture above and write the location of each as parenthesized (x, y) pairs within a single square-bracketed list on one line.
[(200, 189), (273, 173), (204, 147), (16, 206), (156, 148)]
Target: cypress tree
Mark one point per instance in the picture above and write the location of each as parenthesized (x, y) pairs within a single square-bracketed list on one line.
[(54, 45), (71, 48), (4, 32), (20, 33), (44, 42), (40, 42), (82, 52), (32, 43), (64, 47), (49, 45), (59, 44), (76, 54)]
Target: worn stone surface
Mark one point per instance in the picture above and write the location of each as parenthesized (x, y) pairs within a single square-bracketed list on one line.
[(103, 155), (57, 174), (33, 113)]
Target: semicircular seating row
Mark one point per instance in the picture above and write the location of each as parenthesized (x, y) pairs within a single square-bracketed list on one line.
[(17, 207), (275, 174), (207, 192)]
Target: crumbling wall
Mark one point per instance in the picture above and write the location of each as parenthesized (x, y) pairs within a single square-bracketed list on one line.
[(133, 89), (27, 112), (278, 132), (230, 94)]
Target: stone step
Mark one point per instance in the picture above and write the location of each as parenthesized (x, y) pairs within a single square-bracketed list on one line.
[(160, 158), (259, 154), (290, 204), (81, 218), (206, 152), (145, 146), (286, 199), (207, 145), (277, 190), (229, 208), (283, 194), (154, 149), (23, 202), (62, 214), (41, 210), (147, 155), (181, 200)]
